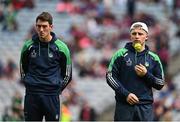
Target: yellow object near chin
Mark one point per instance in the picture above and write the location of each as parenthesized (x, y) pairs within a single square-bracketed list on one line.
[(137, 47)]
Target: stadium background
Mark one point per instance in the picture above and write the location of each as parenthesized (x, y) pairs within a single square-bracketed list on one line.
[(94, 30)]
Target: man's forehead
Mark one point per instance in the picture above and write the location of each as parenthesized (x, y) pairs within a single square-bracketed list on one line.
[(40, 22)]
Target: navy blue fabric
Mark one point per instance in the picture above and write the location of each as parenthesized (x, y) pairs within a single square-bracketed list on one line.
[(140, 112), (123, 74), (43, 74), (36, 106)]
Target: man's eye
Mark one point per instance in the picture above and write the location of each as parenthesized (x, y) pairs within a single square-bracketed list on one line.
[(44, 26), (133, 33)]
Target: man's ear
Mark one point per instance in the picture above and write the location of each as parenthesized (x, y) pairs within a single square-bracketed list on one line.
[(52, 26)]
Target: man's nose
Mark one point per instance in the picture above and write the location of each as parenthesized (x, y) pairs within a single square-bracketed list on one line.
[(137, 35), (41, 29)]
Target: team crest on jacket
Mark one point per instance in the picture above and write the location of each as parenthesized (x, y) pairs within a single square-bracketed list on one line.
[(50, 55), (33, 54), (129, 62), (147, 64)]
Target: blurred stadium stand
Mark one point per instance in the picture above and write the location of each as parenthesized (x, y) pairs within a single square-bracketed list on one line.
[(92, 87)]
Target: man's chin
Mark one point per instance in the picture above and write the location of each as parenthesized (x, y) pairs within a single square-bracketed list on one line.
[(41, 37)]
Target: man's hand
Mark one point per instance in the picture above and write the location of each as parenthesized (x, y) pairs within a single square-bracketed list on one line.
[(140, 70), (132, 99)]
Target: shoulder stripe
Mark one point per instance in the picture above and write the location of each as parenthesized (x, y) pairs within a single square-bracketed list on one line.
[(156, 58), (63, 48), (119, 53), (26, 45)]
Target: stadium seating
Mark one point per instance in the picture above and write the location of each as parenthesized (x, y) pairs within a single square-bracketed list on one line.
[(96, 91)]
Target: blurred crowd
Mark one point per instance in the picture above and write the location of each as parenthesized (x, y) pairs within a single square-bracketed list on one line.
[(93, 42), (9, 10)]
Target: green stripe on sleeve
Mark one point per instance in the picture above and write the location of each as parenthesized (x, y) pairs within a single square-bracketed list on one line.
[(119, 53), (63, 48), (156, 58), (26, 45)]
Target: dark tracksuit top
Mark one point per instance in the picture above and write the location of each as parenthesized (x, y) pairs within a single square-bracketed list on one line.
[(45, 67), (122, 78)]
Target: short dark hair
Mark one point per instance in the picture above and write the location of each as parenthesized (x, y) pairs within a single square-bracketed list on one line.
[(45, 16)]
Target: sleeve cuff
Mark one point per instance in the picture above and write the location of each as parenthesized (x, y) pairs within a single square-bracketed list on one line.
[(126, 93)]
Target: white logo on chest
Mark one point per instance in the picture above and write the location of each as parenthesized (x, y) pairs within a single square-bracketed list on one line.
[(33, 54), (129, 62), (50, 55)]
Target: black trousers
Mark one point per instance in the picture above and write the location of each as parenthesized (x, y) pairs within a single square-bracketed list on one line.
[(127, 112), (37, 106)]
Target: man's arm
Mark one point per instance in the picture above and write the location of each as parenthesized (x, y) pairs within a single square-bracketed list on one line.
[(24, 58), (113, 74), (66, 73), (155, 79), (65, 64)]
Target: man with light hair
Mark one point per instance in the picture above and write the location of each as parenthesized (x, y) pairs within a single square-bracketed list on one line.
[(132, 73)]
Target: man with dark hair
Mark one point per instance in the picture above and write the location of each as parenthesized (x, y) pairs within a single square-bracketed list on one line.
[(45, 67), (132, 73)]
